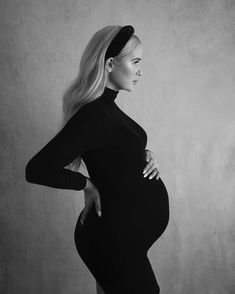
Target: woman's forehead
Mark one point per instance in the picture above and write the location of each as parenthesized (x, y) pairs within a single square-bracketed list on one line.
[(137, 53)]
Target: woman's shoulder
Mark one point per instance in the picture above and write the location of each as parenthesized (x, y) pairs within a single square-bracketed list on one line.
[(91, 110), (90, 117)]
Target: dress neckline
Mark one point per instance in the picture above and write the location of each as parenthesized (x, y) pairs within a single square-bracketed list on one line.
[(109, 95)]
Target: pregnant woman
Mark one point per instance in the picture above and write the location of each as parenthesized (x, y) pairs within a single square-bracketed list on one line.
[(126, 203)]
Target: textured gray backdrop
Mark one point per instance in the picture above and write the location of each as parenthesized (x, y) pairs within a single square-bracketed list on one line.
[(185, 101)]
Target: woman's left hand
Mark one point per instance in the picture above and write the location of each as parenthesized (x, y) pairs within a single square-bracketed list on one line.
[(150, 168)]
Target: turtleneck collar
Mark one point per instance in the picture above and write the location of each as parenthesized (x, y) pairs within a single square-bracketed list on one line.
[(109, 95)]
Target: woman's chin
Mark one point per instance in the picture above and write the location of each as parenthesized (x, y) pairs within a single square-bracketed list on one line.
[(130, 88)]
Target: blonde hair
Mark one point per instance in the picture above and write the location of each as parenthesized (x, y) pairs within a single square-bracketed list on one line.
[(92, 76)]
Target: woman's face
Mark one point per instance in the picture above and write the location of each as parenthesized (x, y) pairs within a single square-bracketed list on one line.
[(123, 74)]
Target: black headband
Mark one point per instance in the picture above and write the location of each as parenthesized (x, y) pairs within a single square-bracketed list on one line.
[(119, 41)]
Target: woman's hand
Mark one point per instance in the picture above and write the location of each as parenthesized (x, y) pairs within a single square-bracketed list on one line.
[(150, 168), (92, 196)]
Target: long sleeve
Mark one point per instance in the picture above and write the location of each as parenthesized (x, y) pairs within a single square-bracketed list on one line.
[(84, 131)]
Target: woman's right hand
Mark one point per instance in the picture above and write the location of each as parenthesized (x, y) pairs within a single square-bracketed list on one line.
[(92, 196)]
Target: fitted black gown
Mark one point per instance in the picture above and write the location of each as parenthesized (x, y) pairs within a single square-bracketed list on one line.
[(135, 210)]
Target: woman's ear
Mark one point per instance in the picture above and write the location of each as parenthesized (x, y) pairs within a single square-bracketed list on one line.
[(109, 64)]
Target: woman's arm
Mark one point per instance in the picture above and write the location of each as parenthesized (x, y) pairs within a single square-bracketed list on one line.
[(84, 131)]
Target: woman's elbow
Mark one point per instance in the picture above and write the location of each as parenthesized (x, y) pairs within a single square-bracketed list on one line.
[(31, 175)]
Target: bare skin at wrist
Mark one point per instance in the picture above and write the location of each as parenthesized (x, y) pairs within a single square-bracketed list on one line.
[(88, 184)]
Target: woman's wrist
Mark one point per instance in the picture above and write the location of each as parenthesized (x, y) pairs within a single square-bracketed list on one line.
[(88, 184)]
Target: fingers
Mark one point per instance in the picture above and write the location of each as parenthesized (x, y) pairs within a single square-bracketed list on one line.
[(155, 173), (150, 170), (83, 216), (152, 173), (149, 166), (148, 155), (87, 207), (98, 206)]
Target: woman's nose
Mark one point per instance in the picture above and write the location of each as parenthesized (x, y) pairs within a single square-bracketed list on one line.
[(139, 73)]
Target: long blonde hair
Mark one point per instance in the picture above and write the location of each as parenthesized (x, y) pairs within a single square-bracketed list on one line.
[(92, 76)]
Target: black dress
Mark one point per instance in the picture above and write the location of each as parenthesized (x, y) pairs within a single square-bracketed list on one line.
[(135, 210)]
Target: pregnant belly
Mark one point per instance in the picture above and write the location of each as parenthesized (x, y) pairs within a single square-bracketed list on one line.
[(153, 192), (136, 213), (144, 214), (149, 197), (135, 188), (135, 197)]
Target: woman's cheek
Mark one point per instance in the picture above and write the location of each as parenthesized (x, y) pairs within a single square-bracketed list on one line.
[(127, 71)]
